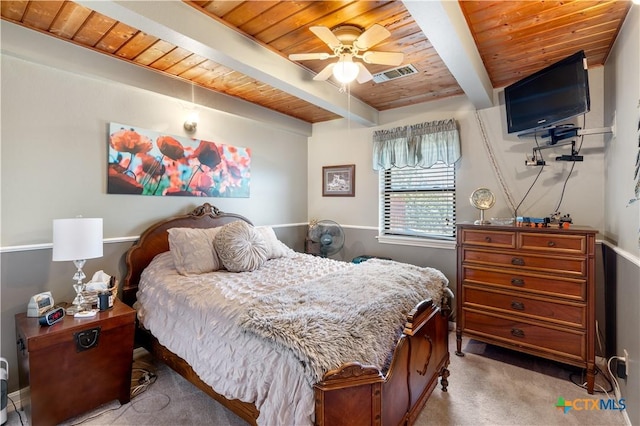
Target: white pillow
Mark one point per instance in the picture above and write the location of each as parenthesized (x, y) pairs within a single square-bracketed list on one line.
[(240, 247), (275, 247), (193, 251)]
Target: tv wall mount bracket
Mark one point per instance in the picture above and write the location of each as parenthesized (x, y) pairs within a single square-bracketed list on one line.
[(557, 136), (537, 160)]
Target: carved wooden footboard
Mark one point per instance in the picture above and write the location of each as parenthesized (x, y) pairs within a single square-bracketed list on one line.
[(361, 395), (352, 394)]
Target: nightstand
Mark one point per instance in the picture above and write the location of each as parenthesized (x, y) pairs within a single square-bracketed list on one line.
[(74, 365)]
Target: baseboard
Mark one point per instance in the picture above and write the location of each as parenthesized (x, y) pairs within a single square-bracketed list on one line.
[(15, 397), (625, 415)]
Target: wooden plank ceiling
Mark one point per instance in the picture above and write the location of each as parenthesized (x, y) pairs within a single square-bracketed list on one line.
[(513, 39)]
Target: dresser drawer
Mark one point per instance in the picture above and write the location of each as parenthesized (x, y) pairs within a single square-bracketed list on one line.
[(510, 331), (556, 243), (496, 239), (553, 264), (544, 285), (571, 314)]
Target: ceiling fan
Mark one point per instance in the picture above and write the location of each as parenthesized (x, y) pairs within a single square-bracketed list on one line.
[(348, 42)]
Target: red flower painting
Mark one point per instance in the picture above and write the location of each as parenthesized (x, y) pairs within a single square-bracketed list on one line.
[(150, 163)]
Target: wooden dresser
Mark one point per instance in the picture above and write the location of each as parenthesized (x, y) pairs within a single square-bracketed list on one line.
[(529, 289)]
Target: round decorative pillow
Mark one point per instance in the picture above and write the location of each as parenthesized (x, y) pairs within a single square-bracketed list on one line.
[(240, 247)]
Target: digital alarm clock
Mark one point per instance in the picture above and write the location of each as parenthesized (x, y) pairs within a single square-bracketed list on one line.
[(52, 316), (39, 304)]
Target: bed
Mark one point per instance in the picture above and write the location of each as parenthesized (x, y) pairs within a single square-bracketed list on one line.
[(248, 340)]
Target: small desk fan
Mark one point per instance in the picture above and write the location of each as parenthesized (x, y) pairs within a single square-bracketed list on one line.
[(328, 235)]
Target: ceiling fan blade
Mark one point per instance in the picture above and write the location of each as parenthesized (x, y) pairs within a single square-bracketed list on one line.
[(325, 34), (372, 36), (383, 58), (364, 75), (325, 73), (308, 56)]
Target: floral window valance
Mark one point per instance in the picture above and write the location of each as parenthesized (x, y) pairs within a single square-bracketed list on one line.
[(419, 145)]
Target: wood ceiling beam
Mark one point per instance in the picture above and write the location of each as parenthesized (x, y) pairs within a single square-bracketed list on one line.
[(446, 28), (183, 25)]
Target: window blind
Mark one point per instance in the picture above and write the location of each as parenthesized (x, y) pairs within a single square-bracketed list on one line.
[(418, 202)]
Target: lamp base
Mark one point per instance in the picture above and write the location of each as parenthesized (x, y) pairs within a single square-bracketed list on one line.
[(74, 309), (79, 303)]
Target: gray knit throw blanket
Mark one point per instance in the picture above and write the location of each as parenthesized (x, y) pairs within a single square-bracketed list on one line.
[(355, 314)]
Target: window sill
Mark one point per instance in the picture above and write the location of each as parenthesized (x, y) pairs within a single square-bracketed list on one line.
[(417, 242)]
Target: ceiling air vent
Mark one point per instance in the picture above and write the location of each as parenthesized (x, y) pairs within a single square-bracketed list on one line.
[(394, 73)]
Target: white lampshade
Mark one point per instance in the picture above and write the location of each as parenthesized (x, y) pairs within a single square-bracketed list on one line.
[(77, 238), (345, 71)]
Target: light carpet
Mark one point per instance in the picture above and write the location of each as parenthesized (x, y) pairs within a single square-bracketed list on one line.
[(488, 386)]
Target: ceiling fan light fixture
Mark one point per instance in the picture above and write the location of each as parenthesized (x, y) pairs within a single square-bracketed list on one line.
[(348, 42), (345, 71)]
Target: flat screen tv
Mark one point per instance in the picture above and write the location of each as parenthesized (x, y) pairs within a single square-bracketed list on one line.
[(549, 96)]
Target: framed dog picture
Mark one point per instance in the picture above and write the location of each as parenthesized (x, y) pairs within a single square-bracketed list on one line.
[(339, 181)]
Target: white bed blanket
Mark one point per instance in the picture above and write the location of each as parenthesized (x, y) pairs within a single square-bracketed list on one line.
[(197, 318)]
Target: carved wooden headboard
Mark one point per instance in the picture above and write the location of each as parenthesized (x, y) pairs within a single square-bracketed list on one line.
[(155, 240)]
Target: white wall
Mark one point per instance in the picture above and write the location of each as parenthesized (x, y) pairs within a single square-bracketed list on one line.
[(623, 109), (339, 142), (53, 163), (54, 152), (622, 225)]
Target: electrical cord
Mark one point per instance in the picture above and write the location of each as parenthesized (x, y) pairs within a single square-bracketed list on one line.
[(557, 209), (584, 123), (615, 381), (564, 186), (143, 382), (515, 212), (16, 409), (138, 385), (131, 405), (583, 384), (95, 416)]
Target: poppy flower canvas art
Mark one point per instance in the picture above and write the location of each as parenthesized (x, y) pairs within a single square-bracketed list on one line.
[(152, 163)]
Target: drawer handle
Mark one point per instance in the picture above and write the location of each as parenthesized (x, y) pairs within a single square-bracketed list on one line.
[(517, 261), (518, 306), (487, 239), (551, 244), (516, 332), (517, 281)]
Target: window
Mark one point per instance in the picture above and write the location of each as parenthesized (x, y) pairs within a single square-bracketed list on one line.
[(418, 202)]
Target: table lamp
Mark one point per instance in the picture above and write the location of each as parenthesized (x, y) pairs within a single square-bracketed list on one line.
[(77, 240)]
